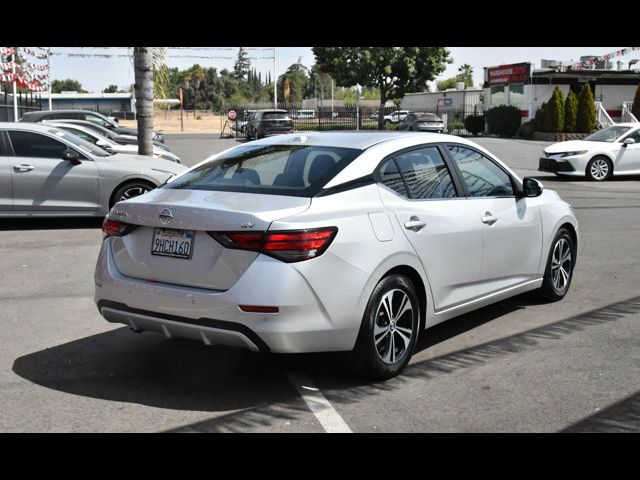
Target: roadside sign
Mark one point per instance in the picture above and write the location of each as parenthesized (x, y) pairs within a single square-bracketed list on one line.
[(445, 102), (232, 114)]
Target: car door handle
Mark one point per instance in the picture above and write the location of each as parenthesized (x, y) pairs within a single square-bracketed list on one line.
[(23, 168), (415, 224), (489, 219)]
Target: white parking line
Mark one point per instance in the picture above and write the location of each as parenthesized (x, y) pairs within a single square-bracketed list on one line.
[(330, 420)]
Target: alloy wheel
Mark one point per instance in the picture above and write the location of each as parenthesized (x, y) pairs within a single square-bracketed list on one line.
[(393, 327), (599, 168), (133, 191), (561, 265)]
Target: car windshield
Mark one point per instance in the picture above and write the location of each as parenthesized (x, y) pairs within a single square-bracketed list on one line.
[(83, 145), (293, 170), (609, 134)]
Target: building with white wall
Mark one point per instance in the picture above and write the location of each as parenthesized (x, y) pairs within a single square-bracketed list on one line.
[(525, 88)]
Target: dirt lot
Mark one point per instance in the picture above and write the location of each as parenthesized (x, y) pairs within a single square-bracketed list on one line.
[(169, 122)]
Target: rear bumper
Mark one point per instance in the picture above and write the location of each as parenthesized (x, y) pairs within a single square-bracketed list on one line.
[(303, 324)]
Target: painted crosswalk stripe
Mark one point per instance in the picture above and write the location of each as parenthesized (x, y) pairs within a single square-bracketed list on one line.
[(324, 412)]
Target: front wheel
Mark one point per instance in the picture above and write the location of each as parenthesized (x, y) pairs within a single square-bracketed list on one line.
[(389, 329), (560, 264), (130, 190), (599, 169)]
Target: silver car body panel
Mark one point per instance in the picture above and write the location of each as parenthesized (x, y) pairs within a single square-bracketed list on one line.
[(55, 187), (321, 301)]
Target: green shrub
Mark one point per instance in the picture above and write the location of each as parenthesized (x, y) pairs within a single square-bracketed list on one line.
[(474, 124), (503, 120), (586, 119), (570, 112), (526, 130), (554, 121), (451, 126), (199, 117), (540, 119)]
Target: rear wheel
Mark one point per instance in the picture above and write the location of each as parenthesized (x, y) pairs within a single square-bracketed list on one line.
[(389, 329), (559, 271), (130, 190), (599, 169)]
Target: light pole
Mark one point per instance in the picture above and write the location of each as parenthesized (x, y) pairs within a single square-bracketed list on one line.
[(275, 81), (15, 99)]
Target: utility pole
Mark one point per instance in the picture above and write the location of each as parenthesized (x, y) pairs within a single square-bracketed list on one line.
[(49, 71), (275, 81), (15, 98)]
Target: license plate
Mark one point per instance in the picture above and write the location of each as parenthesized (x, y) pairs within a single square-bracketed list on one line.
[(168, 242)]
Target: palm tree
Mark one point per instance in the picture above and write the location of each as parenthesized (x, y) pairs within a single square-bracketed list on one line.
[(143, 67), (466, 74)]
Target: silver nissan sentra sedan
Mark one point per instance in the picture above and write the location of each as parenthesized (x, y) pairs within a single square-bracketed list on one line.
[(330, 242)]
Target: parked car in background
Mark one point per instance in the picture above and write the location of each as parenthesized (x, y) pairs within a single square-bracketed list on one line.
[(268, 122), (422, 122), (105, 132), (614, 150), (319, 242), (301, 114), (87, 115), (395, 117), (45, 171), (109, 145)]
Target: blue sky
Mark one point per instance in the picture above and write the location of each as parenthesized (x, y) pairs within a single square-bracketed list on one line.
[(96, 74)]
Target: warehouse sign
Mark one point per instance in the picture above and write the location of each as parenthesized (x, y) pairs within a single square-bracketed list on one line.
[(505, 74), (445, 102)]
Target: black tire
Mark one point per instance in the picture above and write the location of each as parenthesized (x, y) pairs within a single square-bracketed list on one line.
[(595, 168), (386, 122), (129, 190), (551, 291), (376, 360)]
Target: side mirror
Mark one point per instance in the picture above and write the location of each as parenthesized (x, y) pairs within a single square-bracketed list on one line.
[(628, 141), (71, 156), (531, 187)]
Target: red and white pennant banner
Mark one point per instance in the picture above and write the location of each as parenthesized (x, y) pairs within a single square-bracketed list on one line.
[(33, 53), (605, 57)]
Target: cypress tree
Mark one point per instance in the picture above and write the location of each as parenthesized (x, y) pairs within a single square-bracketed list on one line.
[(635, 109), (586, 120), (570, 112), (555, 112)]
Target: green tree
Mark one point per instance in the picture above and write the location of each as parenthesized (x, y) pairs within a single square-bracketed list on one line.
[(394, 71), (635, 109), (111, 89), (451, 83), (570, 112), (241, 67), (555, 113), (67, 85), (295, 81), (586, 119), (465, 73)]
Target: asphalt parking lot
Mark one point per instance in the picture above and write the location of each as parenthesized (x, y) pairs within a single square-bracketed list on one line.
[(515, 366)]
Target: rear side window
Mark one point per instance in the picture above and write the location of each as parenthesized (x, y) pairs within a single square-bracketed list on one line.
[(295, 170), (275, 116), (28, 144), (425, 174), (97, 120), (391, 177)]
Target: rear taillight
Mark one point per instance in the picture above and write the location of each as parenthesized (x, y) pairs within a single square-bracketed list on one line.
[(114, 228), (288, 246)]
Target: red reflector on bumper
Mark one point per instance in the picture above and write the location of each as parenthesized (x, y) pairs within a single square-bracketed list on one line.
[(258, 309)]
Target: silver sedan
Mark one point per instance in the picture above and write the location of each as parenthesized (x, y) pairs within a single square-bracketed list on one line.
[(45, 171), (332, 242)]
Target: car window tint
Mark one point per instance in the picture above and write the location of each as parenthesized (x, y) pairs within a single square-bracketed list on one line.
[(275, 116), (482, 177), (28, 144), (83, 135), (391, 177), (274, 169), (97, 120), (635, 135), (426, 174)]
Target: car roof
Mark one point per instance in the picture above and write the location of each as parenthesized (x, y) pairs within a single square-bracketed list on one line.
[(360, 140), (626, 124)]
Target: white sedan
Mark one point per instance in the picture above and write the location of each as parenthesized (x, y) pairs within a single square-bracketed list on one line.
[(323, 242), (614, 150)]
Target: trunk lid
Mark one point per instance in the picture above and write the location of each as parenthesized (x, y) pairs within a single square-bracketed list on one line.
[(210, 265)]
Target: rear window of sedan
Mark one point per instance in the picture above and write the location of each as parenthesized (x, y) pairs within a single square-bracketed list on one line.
[(275, 116), (427, 117), (293, 170)]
